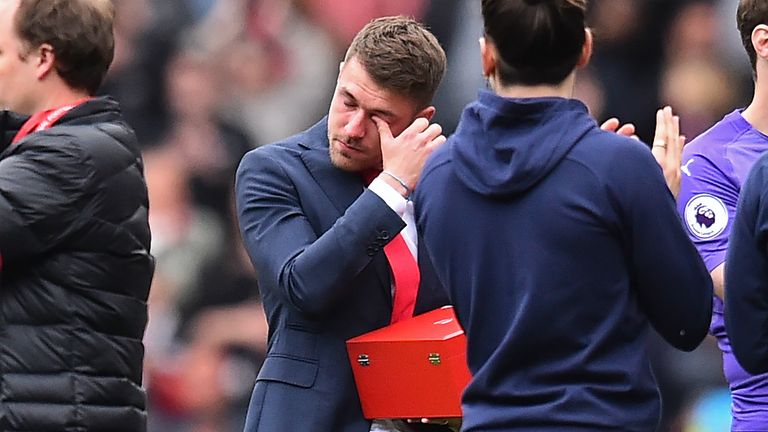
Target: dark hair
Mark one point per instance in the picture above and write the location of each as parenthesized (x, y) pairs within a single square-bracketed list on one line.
[(80, 32), (400, 54), (538, 41), (751, 13)]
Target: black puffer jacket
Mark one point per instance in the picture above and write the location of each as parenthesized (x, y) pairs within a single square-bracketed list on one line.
[(76, 270)]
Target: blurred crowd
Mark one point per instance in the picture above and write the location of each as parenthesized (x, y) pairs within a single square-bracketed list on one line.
[(204, 81)]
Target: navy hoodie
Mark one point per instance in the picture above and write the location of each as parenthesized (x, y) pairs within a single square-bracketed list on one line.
[(746, 273), (559, 243)]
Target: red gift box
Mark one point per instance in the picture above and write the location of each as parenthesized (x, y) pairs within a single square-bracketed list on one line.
[(414, 368)]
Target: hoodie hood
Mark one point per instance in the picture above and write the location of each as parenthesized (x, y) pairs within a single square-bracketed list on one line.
[(506, 146)]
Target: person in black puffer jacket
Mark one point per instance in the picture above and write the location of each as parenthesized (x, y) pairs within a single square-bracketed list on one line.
[(74, 234)]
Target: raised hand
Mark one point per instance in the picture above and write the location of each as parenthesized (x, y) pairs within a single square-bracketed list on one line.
[(614, 125), (404, 156), (667, 147)]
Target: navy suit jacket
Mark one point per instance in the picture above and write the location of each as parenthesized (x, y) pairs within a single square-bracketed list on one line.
[(315, 237)]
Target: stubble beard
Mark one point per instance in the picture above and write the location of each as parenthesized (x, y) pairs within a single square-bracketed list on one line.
[(340, 160)]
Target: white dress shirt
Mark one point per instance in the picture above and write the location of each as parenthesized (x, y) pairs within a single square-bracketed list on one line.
[(402, 207)]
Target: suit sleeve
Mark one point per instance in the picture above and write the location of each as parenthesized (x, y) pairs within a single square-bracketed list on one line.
[(746, 274), (672, 284), (308, 270)]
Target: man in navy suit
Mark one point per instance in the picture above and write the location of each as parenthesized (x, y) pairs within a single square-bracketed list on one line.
[(316, 230)]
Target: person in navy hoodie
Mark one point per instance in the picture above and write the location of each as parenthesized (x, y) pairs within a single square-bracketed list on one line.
[(559, 243)]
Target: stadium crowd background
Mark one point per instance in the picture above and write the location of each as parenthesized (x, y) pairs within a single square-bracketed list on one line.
[(204, 81)]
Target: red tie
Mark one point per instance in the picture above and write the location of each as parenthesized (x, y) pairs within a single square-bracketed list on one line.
[(405, 271)]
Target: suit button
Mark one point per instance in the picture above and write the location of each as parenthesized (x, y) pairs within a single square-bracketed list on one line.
[(371, 251), (384, 235)]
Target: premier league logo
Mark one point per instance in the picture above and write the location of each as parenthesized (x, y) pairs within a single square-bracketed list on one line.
[(706, 216)]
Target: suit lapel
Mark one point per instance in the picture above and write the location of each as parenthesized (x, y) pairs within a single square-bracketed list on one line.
[(341, 187)]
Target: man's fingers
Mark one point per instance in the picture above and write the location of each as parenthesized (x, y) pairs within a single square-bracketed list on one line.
[(613, 124), (676, 148), (434, 144), (676, 153), (659, 145), (675, 127), (418, 126), (667, 147), (660, 154), (384, 132), (433, 131), (610, 125), (627, 130), (438, 141), (660, 136)]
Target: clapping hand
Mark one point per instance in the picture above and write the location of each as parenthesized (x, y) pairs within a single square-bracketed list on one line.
[(667, 147)]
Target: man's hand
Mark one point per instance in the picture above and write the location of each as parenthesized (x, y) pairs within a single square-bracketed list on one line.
[(454, 423), (614, 125), (404, 156), (667, 147)]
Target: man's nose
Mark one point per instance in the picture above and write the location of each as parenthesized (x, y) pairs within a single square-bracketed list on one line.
[(355, 127)]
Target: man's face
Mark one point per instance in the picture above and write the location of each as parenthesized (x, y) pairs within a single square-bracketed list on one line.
[(17, 76), (352, 134)]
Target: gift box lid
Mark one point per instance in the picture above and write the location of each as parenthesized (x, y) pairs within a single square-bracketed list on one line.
[(436, 325)]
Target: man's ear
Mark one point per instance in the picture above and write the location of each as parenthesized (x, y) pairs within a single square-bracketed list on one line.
[(427, 113), (488, 56), (586, 50), (45, 60), (760, 41)]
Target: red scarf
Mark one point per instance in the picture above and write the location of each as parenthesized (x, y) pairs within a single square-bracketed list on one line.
[(45, 119)]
